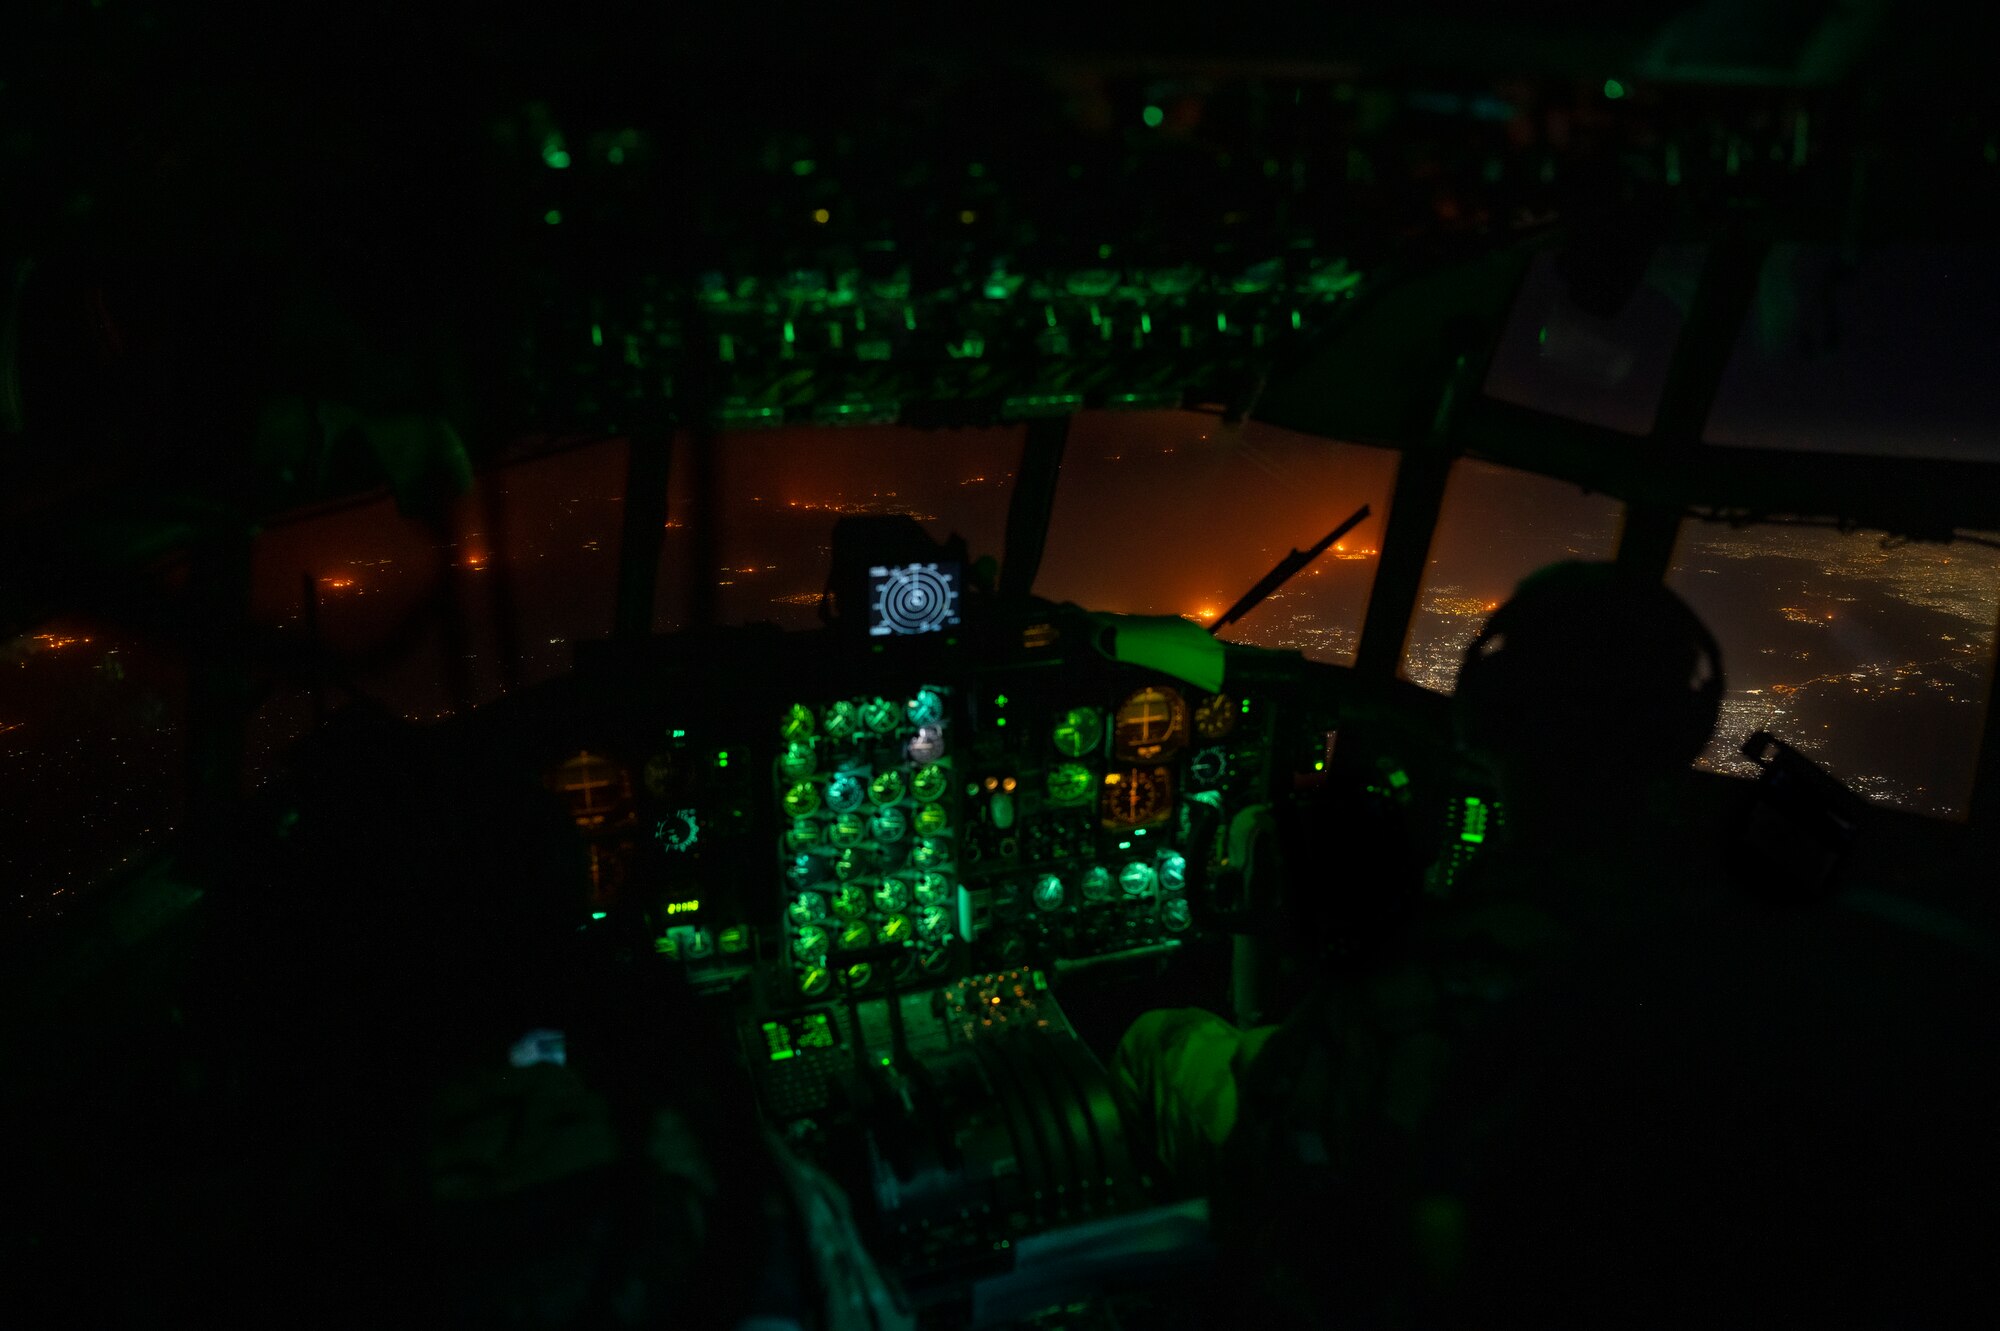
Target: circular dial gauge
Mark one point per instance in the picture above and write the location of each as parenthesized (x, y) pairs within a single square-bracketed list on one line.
[(934, 921), (851, 902), (891, 896), (859, 974), (1097, 883), (927, 745), (933, 888), (880, 715), (1136, 878), (926, 709), (803, 834), (842, 720), (917, 599), (849, 863), (1208, 768), (929, 853), (895, 929), (1176, 914), (802, 799), (798, 723), (813, 981), (891, 824), (856, 935), (680, 832), (850, 829), (1048, 891), (1078, 733), (807, 908), (886, 788), (1215, 716), (932, 820), (802, 870), (1138, 796), (1152, 723), (810, 945), (798, 761), (844, 793), (930, 784), (1070, 783)]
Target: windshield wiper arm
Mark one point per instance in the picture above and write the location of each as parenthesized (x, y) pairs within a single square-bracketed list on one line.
[(1282, 574)]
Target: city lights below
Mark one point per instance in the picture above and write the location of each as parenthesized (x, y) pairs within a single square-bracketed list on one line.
[(337, 584)]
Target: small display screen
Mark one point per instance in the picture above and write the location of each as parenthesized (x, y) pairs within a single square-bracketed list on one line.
[(794, 1036), (908, 599)]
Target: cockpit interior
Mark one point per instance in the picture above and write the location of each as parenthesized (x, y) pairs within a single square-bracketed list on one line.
[(823, 569)]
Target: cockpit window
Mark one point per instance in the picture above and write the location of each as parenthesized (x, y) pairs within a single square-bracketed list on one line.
[(1177, 513), (778, 493), (93, 736), (1593, 331), (426, 618), (1888, 353), (1875, 661), (1495, 527)]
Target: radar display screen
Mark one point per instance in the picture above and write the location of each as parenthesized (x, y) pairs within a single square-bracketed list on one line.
[(909, 599)]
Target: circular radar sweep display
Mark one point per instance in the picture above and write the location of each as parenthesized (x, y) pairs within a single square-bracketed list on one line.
[(917, 598)]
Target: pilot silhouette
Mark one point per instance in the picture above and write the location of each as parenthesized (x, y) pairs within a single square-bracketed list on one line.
[(1600, 1084)]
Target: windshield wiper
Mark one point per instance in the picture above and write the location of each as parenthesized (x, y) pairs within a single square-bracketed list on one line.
[(1282, 574)]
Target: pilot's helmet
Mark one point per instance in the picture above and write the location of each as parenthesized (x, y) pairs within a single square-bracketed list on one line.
[(1592, 667)]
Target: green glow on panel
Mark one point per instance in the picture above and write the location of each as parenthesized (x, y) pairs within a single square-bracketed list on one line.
[(557, 159), (910, 317), (1153, 116), (1295, 320), (1104, 251), (1000, 701), (1613, 89), (1001, 721), (553, 217), (1543, 336), (680, 734), (616, 156), (1221, 322), (597, 915), (722, 759), (803, 167), (1146, 323), (596, 335), (791, 334)]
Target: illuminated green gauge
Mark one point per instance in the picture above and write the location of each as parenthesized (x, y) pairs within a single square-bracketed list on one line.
[(851, 863), (1048, 892), (926, 746), (1071, 783), (1136, 878), (1209, 768), (798, 724), (798, 761), (842, 721), (935, 959), (813, 981), (859, 974), (926, 709), (803, 871), (802, 799), (855, 936), (1173, 870), (933, 820), (891, 825), (1079, 732), (891, 896), (934, 921), (930, 853), (803, 834), (850, 829), (806, 908), (845, 792), (933, 889), (1176, 915), (895, 930), (880, 715), (1097, 883), (886, 788), (809, 944), (851, 902), (930, 784)]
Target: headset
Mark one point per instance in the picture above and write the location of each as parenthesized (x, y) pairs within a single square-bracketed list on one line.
[(1588, 631)]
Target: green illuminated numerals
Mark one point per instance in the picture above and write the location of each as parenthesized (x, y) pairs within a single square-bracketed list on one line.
[(802, 799), (933, 888), (842, 721), (932, 820), (798, 761), (930, 784), (851, 902), (1079, 732), (1071, 783), (798, 723), (880, 715), (895, 929), (886, 788), (850, 829)]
